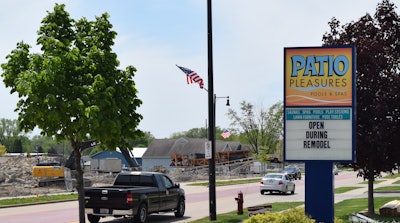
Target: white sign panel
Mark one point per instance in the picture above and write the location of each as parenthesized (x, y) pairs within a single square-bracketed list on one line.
[(318, 133), (208, 150)]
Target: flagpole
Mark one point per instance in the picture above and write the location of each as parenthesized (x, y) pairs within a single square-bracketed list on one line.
[(211, 117)]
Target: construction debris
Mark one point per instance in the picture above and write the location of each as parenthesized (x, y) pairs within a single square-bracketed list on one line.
[(16, 177)]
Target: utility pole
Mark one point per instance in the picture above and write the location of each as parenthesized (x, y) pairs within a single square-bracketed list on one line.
[(211, 116)]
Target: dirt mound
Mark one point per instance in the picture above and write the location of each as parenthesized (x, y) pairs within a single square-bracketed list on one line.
[(16, 177)]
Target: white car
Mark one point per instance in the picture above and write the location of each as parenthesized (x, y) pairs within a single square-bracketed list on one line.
[(335, 170), (279, 182)]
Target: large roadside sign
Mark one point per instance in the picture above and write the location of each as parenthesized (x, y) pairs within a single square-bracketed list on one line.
[(319, 103)]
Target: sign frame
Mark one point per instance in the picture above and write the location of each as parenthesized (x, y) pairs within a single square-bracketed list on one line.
[(318, 80)]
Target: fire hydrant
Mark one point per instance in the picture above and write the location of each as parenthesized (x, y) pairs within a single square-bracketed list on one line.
[(239, 201)]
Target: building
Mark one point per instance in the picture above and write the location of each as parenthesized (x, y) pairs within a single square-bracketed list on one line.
[(171, 153)]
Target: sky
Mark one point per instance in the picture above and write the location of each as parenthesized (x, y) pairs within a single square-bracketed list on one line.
[(154, 36)]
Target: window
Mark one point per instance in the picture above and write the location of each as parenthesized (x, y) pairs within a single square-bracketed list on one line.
[(167, 182)]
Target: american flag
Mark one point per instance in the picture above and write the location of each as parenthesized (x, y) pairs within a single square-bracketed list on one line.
[(192, 76), (226, 133)]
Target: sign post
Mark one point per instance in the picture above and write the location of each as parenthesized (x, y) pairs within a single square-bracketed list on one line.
[(319, 116)]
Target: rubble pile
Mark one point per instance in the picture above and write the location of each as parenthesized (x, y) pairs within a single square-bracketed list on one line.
[(16, 177)]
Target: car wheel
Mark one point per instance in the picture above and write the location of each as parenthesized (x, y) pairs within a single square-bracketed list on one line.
[(141, 215), (262, 192), (180, 210), (292, 192), (93, 218)]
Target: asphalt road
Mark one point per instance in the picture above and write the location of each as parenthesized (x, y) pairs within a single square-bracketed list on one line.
[(197, 205)]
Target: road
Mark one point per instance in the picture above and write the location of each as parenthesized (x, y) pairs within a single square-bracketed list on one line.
[(197, 205)]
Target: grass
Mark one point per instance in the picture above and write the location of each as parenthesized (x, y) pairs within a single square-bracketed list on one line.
[(387, 188), (392, 176), (233, 217), (396, 182), (345, 208), (344, 189), (37, 199), (375, 182)]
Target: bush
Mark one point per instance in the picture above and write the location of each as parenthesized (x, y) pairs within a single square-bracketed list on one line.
[(293, 215), (290, 216), (2, 150)]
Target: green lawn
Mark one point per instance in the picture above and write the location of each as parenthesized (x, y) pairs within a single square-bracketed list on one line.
[(344, 189), (387, 188), (37, 199), (345, 208)]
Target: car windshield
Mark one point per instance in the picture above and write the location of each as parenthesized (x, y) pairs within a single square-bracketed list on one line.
[(274, 176), (289, 169)]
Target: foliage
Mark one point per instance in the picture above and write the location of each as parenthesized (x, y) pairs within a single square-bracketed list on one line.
[(261, 128), (191, 133), (292, 215), (202, 133), (17, 148), (142, 140), (378, 88), (2, 150), (51, 145), (9, 133), (73, 89), (52, 150)]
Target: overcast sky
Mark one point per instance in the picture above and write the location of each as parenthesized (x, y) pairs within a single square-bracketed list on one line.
[(154, 35)]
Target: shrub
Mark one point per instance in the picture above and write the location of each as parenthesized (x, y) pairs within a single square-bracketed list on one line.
[(293, 215), (290, 216)]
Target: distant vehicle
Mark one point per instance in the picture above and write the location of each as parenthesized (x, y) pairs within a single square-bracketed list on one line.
[(293, 172), (277, 182), (335, 170)]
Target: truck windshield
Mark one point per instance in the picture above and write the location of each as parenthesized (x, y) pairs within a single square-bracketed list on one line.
[(134, 180)]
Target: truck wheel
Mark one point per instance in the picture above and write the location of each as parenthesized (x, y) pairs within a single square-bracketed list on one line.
[(180, 210), (93, 218), (141, 215)]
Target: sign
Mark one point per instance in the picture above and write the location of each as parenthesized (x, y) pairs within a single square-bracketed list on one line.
[(319, 104), (208, 150)]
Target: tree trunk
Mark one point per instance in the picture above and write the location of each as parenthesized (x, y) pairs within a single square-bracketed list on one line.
[(79, 182), (371, 206)]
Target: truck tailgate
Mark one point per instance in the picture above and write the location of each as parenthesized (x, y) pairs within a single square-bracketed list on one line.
[(101, 198), (113, 198)]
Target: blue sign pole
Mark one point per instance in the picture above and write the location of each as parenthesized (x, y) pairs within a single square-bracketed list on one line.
[(319, 196)]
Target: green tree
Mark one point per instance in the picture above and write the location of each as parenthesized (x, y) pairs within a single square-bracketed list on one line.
[(17, 148), (141, 141), (378, 68), (262, 128), (52, 150), (201, 133), (73, 89), (9, 132)]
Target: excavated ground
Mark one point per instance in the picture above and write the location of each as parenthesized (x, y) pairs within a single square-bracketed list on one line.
[(16, 178)]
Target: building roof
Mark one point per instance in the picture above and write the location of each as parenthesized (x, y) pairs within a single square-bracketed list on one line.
[(186, 146)]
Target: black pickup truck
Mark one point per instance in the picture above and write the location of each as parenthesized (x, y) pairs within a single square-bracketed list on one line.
[(135, 194)]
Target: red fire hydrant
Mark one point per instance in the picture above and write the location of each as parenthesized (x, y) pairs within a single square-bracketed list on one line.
[(239, 201)]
